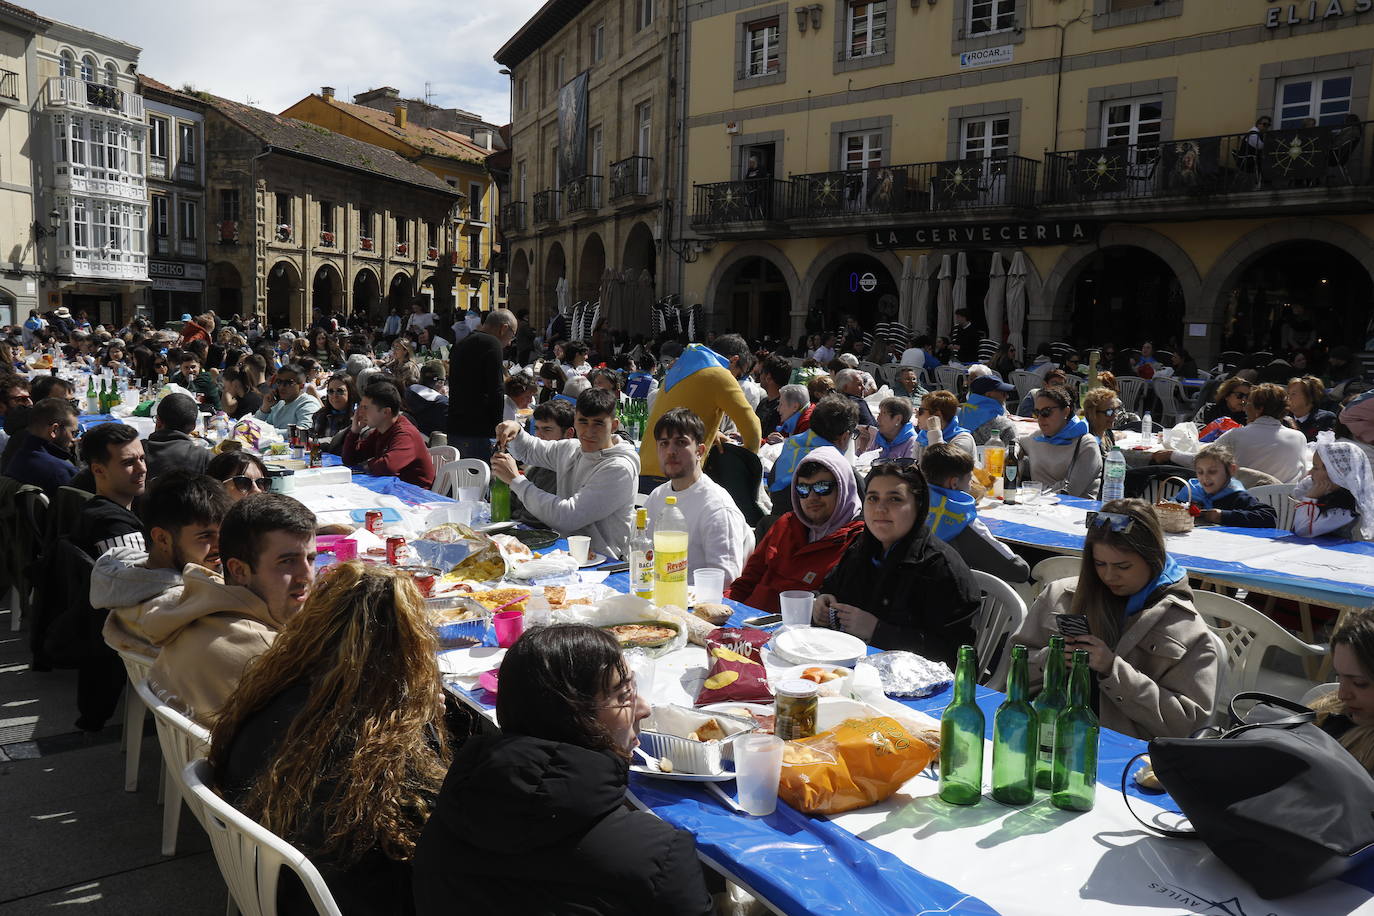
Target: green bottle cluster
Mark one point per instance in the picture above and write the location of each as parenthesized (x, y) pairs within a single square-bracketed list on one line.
[(1050, 743)]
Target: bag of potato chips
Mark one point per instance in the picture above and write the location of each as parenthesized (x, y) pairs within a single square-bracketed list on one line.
[(737, 674), (858, 763)]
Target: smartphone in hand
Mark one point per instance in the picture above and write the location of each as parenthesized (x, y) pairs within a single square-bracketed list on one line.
[(1071, 625)]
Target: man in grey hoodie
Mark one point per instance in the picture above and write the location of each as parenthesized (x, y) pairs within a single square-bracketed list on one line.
[(597, 474), (181, 518)]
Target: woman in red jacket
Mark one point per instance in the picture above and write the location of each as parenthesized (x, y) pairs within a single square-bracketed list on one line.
[(804, 544)]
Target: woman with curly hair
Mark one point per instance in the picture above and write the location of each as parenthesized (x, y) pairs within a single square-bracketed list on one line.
[(335, 739)]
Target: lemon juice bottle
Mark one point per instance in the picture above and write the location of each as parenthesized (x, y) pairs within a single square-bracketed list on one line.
[(670, 556)]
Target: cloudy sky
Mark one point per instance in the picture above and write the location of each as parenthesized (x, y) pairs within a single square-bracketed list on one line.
[(275, 52)]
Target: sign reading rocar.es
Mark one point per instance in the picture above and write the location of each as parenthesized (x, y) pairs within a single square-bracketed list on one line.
[(1313, 11), (994, 235)]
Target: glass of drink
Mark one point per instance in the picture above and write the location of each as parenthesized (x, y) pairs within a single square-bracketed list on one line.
[(709, 585), (796, 608), (758, 768), (1031, 490)]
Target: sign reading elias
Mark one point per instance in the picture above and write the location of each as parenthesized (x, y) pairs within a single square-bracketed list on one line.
[(1313, 11), (1058, 232)]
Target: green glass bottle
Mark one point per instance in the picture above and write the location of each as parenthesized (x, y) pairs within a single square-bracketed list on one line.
[(961, 738), (500, 500), (92, 396), (1015, 738), (1075, 744), (1053, 700)]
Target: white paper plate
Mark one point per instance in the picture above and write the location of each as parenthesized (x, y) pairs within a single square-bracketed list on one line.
[(593, 559), (819, 646), (643, 770)]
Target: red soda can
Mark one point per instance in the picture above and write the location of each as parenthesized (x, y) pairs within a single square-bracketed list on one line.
[(396, 550), (424, 581), (372, 521)]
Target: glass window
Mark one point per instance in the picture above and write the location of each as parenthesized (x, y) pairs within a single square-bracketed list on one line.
[(644, 14), (598, 155), (160, 220), (1324, 98), (186, 143), (475, 195), (111, 74), (88, 68), (432, 235), (863, 150), (365, 224), (78, 146), (66, 64), (558, 63), (136, 153), (986, 16), (157, 138), (80, 223), (283, 209), (228, 205), (326, 216), (402, 230), (475, 250), (867, 28), (985, 138), (762, 48), (1134, 123), (189, 217), (598, 42)]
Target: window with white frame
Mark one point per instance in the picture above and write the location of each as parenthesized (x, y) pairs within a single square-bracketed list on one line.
[(985, 16), (644, 14), (594, 142), (867, 28), (598, 42), (862, 149), (186, 143), (1323, 97), (985, 138), (161, 220), (1134, 123), (88, 68), (66, 64), (111, 74), (188, 217), (644, 129), (78, 224), (522, 182), (157, 138), (761, 51)]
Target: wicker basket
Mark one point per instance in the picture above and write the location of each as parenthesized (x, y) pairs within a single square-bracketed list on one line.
[(1174, 517)]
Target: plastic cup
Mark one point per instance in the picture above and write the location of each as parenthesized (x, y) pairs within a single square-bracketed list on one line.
[(459, 513), (345, 550), (758, 769), (508, 626), (469, 494), (709, 585), (1031, 490), (796, 608), (579, 545), (994, 459)]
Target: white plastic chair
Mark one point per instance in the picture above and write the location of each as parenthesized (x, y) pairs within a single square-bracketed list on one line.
[(1025, 383), (1132, 391), (872, 369), (250, 857), (1161, 488), (1319, 691), (182, 741), (947, 377), (1175, 407), (1051, 568), (999, 619), (136, 665), (1226, 684), (472, 472), (1247, 635), (1280, 496), (441, 456)]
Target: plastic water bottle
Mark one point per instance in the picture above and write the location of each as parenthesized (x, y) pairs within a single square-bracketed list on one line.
[(670, 556), (1147, 426), (1114, 476)]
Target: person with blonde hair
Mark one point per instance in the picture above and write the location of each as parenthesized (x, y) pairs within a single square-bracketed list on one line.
[(336, 737), (1152, 655)]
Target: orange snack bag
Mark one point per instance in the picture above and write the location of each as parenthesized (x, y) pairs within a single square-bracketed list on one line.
[(858, 763)]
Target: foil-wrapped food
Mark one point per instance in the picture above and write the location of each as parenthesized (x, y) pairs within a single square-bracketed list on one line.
[(906, 674)]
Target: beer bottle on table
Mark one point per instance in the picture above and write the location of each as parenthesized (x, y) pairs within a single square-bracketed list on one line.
[(500, 500), (1074, 786), (961, 738), (1053, 700), (1015, 738), (670, 556)]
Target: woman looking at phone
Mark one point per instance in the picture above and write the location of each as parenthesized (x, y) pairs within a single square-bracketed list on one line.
[(1131, 609)]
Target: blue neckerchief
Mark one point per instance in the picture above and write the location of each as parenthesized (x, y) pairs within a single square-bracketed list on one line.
[(980, 409), (639, 384), (565, 397), (903, 435), (951, 511), (789, 426), (694, 358), (1171, 573), (1073, 430), (1196, 494), (951, 430), (794, 450)]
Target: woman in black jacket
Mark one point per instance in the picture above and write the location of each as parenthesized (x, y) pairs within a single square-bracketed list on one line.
[(533, 821), (897, 586)]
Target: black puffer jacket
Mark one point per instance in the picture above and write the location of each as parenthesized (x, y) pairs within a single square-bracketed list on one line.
[(528, 826)]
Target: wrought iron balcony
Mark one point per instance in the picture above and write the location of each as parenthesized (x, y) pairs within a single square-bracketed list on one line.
[(961, 184), (9, 86), (583, 194), (546, 206), (513, 217), (78, 93), (1311, 160), (630, 177), (751, 201)]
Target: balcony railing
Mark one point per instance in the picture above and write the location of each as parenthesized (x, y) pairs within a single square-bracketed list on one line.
[(752, 200), (546, 206), (513, 216), (9, 85), (630, 177), (78, 93), (1327, 156), (583, 193), (961, 184)]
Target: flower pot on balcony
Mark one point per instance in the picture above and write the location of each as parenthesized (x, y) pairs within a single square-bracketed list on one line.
[(283, 233), (432, 253), (327, 239), (365, 244), (402, 249)]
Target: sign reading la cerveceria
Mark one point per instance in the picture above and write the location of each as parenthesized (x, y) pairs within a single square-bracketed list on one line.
[(1014, 234)]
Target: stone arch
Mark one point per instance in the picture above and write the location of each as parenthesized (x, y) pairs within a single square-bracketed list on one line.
[(327, 289), (367, 294), (639, 250), (1059, 285), (555, 269), (285, 296), (591, 265), (518, 280), (400, 293), (224, 289), (824, 263), (718, 286)]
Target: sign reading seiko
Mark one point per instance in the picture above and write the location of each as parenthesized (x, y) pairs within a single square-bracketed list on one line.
[(1056, 232), (1313, 11), (176, 269)]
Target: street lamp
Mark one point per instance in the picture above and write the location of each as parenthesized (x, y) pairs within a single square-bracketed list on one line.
[(42, 231)]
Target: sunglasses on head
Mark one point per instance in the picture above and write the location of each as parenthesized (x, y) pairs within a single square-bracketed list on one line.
[(1047, 412), (820, 488), (1113, 521), (248, 484)]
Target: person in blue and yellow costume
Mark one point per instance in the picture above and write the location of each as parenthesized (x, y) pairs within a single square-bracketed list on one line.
[(700, 381)]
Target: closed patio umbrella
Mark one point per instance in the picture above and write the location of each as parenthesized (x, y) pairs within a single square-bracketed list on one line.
[(944, 311), (612, 301), (959, 300), (995, 302), (919, 319), (904, 291), (1016, 303)]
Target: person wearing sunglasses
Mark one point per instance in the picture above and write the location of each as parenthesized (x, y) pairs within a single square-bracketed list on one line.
[(286, 404), (242, 473), (1063, 455), (1155, 663), (1100, 407), (336, 415), (1229, 402), (806, 542)]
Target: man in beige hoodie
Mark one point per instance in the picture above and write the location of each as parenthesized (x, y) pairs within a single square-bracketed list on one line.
[(267, 547)]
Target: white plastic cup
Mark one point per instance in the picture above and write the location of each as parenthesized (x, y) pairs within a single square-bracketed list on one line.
[(709, 585), (579, 545), (796, 608), (469, 494), (758, 769), (460, 513)]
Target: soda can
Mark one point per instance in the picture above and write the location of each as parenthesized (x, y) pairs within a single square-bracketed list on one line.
[(372, 521), (397, 552), (316, 454), (425, 577)]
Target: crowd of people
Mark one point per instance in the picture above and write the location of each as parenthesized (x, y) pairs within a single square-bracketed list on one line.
[(320, 686)]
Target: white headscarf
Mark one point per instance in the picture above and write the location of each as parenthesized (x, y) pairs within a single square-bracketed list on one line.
[(1348, 467)]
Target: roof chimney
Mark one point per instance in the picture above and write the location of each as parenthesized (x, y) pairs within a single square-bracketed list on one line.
[(400, 116), (327, 92)]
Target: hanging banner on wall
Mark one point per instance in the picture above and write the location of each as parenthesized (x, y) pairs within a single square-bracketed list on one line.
[(572, 128), (994, 235)]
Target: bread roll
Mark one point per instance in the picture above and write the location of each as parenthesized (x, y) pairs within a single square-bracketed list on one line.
[(717, 614)]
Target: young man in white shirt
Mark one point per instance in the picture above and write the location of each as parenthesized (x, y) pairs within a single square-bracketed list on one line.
[(717, 535)]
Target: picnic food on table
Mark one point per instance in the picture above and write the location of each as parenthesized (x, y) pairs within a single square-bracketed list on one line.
[(823, 675), (647, 635), (858, 763), (506, 599), (717, 614), (710, 731), (737, 672)]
